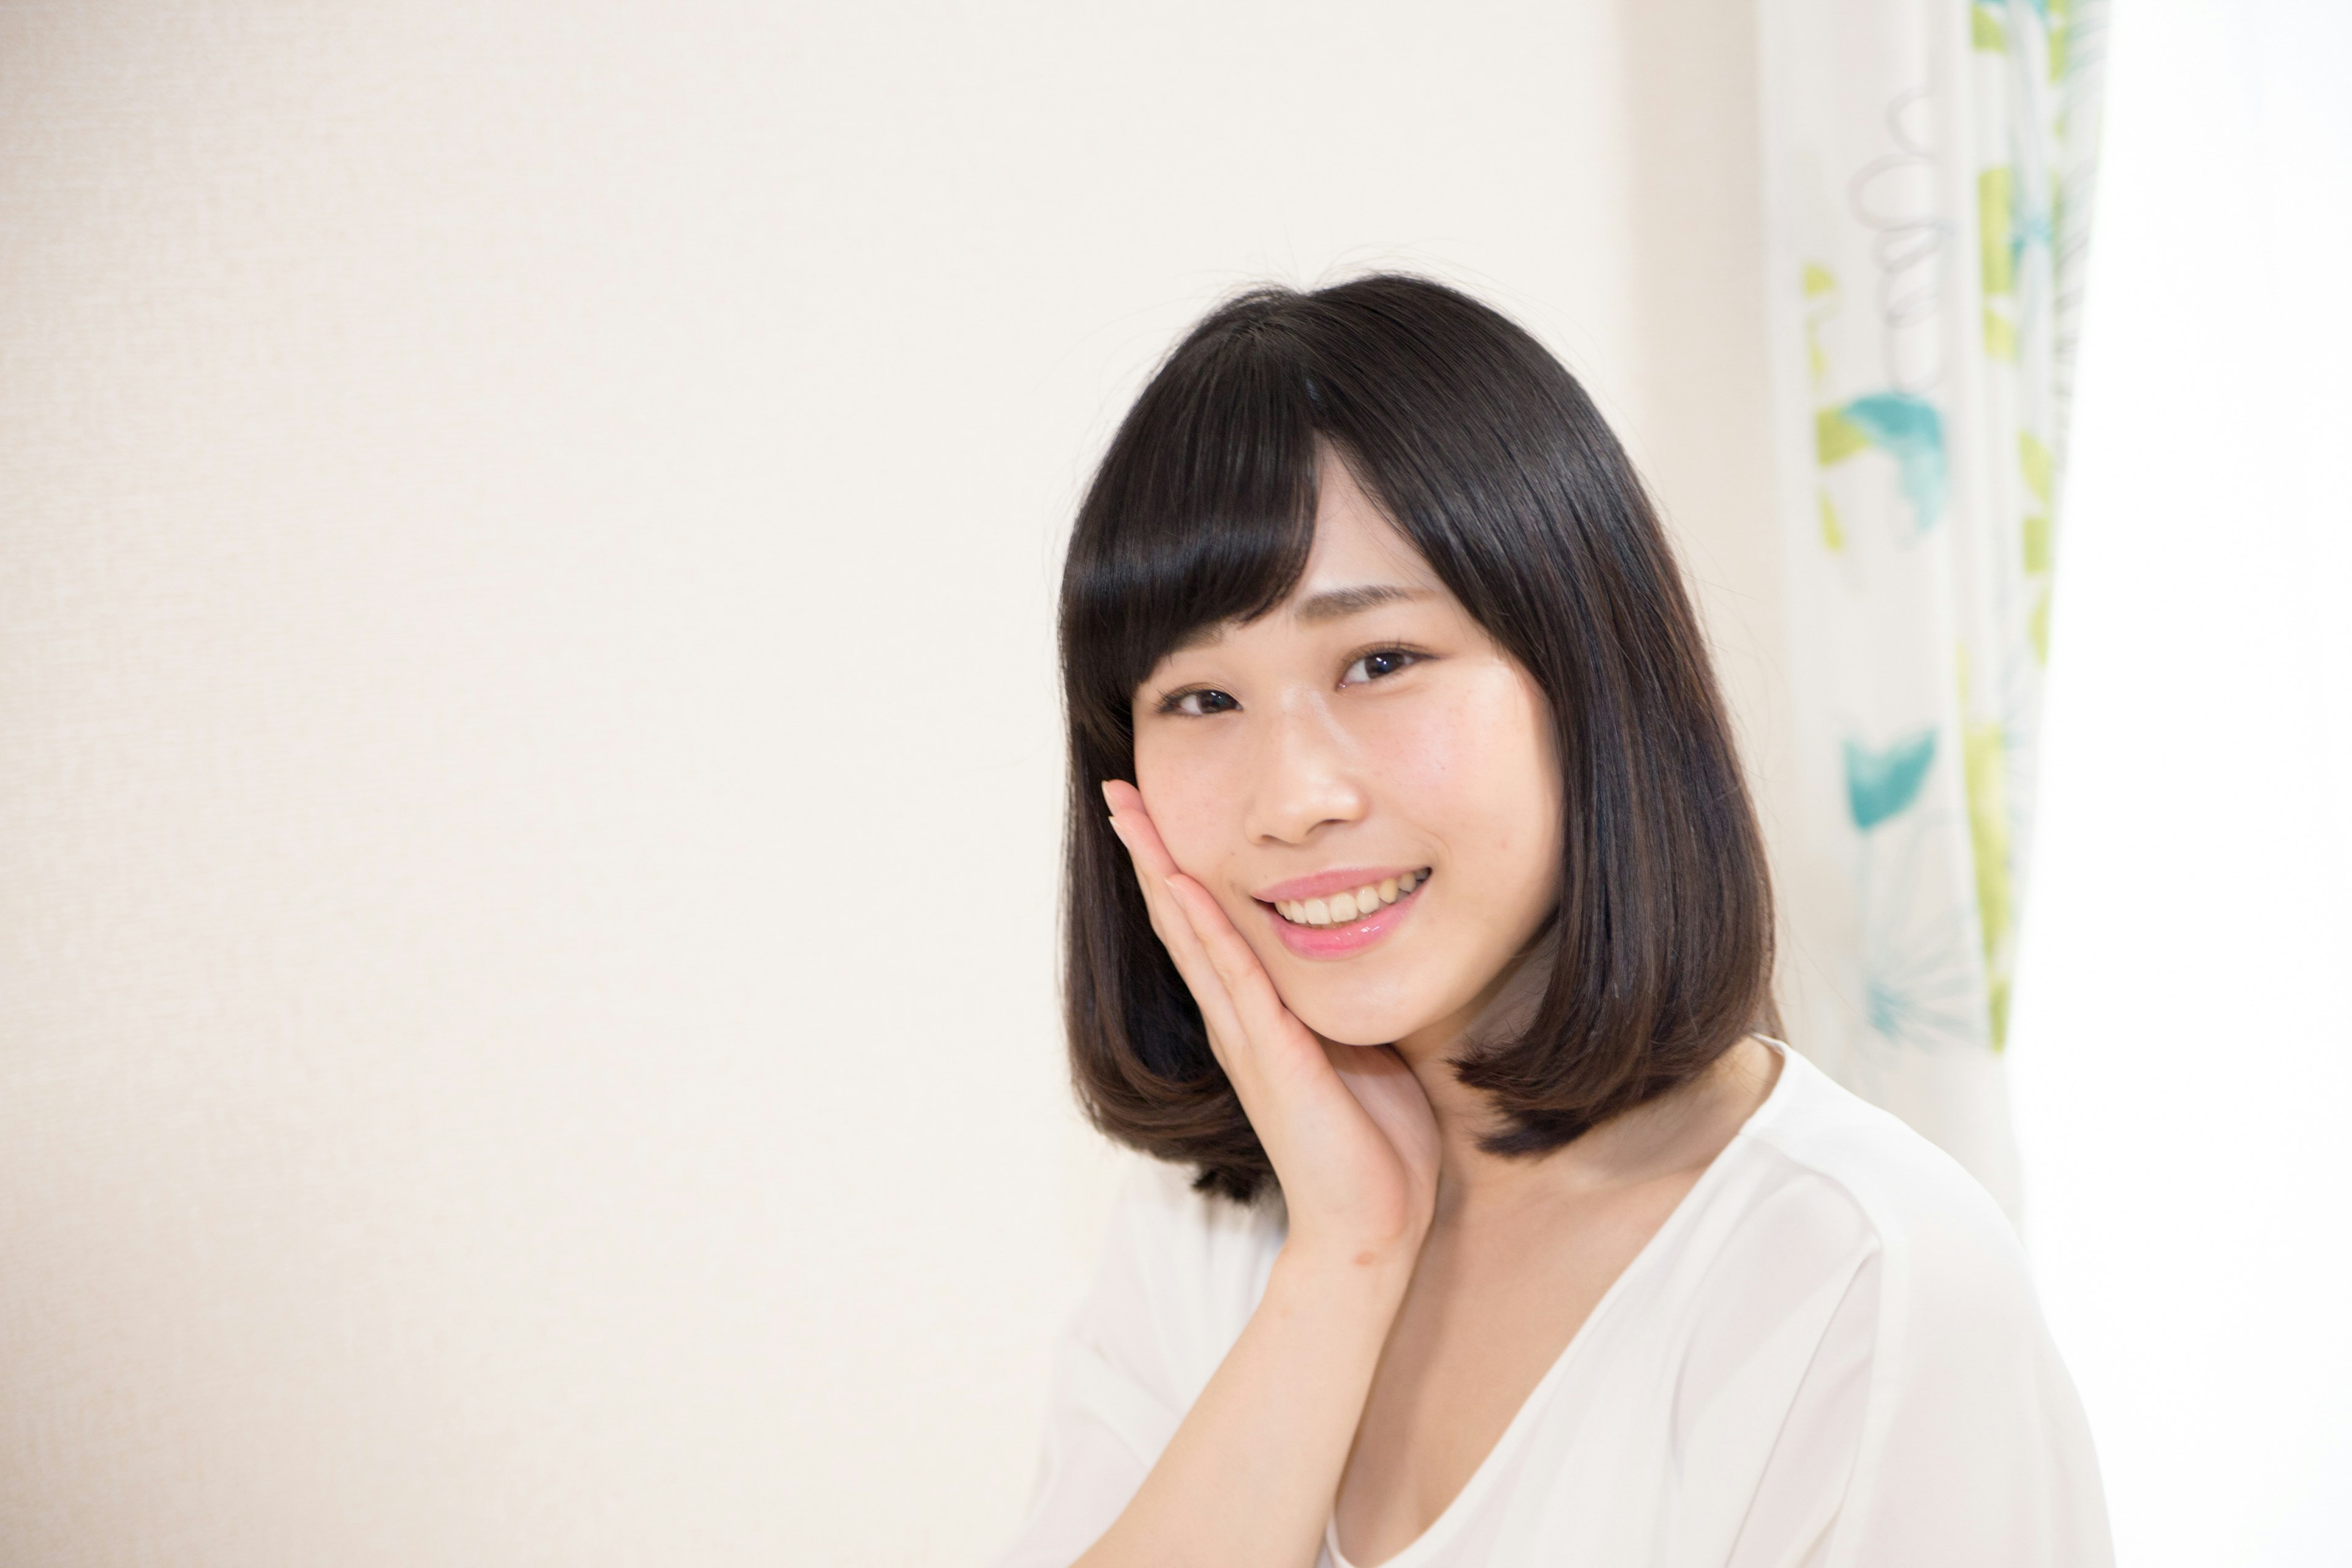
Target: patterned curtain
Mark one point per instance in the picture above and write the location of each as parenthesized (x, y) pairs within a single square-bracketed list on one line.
[(1928, 170)]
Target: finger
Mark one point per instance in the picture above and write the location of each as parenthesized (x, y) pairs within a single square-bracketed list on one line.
[(1199, 972), (1174, 930), (1393, 1096), (1258, 1007), (1153, 867), (1132, 820), (1165, 922), (1133, 823), (1143, 876)]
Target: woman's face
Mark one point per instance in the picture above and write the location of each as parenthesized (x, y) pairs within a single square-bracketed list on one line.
[(1366, 733)]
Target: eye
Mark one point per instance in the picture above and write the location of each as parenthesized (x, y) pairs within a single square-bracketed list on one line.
[(1197, 703), (1378, 663)]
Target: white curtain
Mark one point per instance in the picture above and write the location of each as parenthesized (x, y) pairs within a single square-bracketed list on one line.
[(1928, 171)]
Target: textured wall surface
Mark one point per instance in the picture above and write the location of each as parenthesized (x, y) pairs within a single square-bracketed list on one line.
[(529, 765)]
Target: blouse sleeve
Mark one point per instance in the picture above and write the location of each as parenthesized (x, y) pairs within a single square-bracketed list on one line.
[(1974, 1447), (1179, 1275), (1935, 1425)]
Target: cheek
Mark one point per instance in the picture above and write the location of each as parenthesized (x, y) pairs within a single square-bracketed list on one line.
[(1481, 773), (1189, 798)]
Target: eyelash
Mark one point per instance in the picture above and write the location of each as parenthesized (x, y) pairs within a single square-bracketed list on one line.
[(1172, 703)]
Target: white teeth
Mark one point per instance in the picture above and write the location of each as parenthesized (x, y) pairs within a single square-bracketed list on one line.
[(1342, 908)]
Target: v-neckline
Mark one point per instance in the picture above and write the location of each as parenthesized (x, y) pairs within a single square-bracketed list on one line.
[(1414, 1553)]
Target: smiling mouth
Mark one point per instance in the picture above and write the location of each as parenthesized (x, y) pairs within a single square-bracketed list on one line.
[(1342, 909)]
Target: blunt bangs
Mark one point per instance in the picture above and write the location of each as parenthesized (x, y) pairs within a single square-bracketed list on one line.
[(1487, 453), (1208, 506)]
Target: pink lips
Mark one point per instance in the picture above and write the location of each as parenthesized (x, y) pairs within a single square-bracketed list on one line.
[(1338, 880), (1337, 940)]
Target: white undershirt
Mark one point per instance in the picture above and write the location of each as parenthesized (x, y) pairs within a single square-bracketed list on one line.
[(1829, 1354)]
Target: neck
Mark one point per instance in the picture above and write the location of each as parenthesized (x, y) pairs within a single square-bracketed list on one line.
[(1678, 1130)]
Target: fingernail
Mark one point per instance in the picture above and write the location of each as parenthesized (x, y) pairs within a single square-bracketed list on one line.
[(1106, 792)]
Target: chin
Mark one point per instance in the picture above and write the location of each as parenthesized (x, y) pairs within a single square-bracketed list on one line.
[(1353, 1023)]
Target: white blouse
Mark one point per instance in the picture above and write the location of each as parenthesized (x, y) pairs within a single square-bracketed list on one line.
[(1829, 1354)]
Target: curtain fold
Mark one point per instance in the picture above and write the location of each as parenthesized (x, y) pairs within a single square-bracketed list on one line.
[(1928, 173)]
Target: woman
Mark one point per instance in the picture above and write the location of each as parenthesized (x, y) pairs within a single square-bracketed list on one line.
[(1430, 945)]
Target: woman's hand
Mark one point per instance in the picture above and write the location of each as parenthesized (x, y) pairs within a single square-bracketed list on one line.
[(1348, 1128)]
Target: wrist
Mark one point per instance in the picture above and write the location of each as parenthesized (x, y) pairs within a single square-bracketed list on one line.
[(1373, 1278)]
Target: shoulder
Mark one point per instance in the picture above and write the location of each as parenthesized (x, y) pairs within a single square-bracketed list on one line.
[(1939, 1372), (1841, 1244), (1944, 1243)]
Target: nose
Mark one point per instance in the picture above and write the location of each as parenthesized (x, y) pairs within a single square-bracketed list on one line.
[(1307, 774)]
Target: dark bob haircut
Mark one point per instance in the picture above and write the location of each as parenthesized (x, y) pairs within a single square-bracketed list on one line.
[(1486, 453)]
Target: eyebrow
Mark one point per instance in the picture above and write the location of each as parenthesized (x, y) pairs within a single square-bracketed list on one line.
[(1331, 605)]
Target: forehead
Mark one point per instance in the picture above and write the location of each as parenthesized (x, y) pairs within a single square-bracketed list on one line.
[(1355, 543), (1358, 560)]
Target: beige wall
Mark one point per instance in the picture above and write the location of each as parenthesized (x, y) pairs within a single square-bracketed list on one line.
[(527, 746)]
